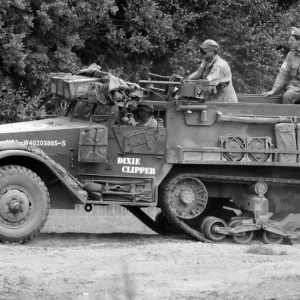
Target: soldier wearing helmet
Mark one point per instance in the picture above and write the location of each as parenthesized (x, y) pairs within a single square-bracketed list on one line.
[(217, 72), (289, 72), (145, 115)]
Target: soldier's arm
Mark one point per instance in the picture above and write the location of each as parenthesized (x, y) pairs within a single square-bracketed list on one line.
[(197, 75), (282, 77)]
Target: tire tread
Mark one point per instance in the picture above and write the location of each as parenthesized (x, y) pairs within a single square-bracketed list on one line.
[(13, 170)]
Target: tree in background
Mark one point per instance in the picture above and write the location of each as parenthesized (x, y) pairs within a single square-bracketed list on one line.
[(252, 36), (130, 37)]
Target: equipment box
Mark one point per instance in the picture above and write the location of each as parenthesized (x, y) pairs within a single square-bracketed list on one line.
[(57, 83), (71, 86), (77, 86)]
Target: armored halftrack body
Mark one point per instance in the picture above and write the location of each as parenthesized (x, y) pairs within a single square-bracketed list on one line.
[(214, 169)]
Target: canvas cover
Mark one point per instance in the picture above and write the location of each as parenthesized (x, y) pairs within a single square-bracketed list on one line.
[(286, 140)]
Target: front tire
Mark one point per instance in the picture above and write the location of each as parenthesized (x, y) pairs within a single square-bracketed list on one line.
[(24, 204)]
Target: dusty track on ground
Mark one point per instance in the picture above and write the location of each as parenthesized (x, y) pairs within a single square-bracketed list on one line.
[(145, 266)]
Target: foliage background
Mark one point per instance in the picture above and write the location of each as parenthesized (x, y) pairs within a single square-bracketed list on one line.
[(131, 37)]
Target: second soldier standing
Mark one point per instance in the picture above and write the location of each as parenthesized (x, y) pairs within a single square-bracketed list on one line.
[(289, 72)]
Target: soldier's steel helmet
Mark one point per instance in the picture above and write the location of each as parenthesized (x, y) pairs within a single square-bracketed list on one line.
[(145, 107), (295, 31), (210, 45)]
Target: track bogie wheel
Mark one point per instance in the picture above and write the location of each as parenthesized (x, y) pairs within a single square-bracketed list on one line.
[(203, 221), (271, 238), (24, 204), (232, 223), (245, 238), (296, 228), (209, 229)]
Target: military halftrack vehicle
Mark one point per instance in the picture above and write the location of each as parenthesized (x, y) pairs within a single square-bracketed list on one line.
[(214, 169)]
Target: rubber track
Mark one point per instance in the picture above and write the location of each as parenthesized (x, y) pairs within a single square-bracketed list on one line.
[(170, 180), (144, 218), (179, 224), (27, 173)]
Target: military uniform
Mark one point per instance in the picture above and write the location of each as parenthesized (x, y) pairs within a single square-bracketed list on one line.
[(289, 72), (289, 75), (218, 74), (151, 122)]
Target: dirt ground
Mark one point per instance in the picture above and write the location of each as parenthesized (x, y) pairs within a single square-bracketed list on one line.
[(146, 266)]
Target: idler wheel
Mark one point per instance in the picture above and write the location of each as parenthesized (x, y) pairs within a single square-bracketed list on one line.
[(271, 238), (209, 229), (242, 238)]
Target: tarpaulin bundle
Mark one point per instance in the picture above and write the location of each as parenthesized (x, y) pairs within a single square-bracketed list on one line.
[(93, 70), (111, 90)]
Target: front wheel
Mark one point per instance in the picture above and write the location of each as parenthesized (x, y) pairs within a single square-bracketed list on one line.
[(24, 204)]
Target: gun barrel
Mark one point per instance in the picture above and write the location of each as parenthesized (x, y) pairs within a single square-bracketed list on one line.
[(159, 82)]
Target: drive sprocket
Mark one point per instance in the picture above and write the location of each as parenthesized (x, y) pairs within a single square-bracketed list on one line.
[(183, 196)]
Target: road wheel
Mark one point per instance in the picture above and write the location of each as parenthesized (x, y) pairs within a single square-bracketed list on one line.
[(24, 204), (295, 228), (245, 238), (209, 229), (202, 223), (271, 238)]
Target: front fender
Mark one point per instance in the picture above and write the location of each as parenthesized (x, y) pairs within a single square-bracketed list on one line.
[(48, 163)]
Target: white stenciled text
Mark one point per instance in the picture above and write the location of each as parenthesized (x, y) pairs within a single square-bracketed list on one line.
[(132, 168)]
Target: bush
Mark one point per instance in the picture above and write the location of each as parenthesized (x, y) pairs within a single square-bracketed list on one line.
[(17, 106), (129, 38), (264, 250)]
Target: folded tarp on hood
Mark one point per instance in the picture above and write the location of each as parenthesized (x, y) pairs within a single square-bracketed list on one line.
[(111, 90), (115, 91)]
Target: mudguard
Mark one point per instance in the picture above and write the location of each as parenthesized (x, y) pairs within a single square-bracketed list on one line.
[(11, 148)]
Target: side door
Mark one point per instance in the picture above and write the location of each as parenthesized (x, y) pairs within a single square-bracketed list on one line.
[(141, 140)]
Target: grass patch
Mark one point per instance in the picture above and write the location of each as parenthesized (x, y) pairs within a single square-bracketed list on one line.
[(264, 250)]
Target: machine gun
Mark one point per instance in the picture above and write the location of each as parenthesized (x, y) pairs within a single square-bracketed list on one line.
[(175, 86)]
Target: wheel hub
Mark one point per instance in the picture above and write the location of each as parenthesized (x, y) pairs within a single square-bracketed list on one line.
[(187, 197), (14, 206)]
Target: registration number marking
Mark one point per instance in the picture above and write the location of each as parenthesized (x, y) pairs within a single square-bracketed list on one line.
[(44, 143)]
